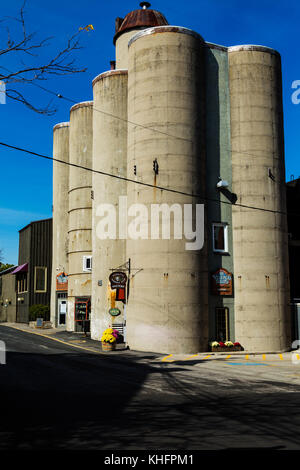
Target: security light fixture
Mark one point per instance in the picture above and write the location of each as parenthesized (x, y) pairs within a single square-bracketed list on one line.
[(222, 183)]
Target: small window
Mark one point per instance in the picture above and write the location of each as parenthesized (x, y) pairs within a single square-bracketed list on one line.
[(22, 283), (87, 264), (222, 324), (40, 279), (220, 238)]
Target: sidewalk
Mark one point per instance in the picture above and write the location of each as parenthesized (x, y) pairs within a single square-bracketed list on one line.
[(80, 341)]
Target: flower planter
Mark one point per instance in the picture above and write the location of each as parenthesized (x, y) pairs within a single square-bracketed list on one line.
[(108, 346), (226, 348)]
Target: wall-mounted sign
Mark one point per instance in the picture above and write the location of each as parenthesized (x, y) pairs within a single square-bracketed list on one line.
[(118, 280), (222, 282), (114, 312), (62, 282)]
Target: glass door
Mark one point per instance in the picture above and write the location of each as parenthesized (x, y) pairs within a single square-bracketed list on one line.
[(62, 312)]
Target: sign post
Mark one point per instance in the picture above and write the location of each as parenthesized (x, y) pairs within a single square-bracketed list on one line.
[(118, 281)]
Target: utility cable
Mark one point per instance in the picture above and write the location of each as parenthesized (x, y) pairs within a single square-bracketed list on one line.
[(70, 100), (20, 149)]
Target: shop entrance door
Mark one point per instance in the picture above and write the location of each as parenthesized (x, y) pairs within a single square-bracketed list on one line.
[(82, 314), (61, 310), (295, 320), (222, 324)]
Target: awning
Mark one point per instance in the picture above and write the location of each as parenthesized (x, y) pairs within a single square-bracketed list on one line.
[(23, 268)]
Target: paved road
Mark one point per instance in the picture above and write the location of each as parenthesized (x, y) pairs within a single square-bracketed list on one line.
[(54, 396)]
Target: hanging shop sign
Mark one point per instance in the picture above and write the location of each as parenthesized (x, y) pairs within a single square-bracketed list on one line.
[(118, 280), (62, 282), (114, 312), (222, 282)]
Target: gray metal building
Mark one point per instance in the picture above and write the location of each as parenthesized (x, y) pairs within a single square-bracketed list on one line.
[(33, 274)]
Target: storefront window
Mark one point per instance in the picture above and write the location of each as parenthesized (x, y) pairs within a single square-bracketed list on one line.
[(22, 283), (222, 324)]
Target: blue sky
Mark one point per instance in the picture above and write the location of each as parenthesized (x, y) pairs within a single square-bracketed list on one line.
[(26, 182)]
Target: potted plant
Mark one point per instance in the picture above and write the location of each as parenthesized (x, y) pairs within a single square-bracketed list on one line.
[(109, 339), (219, 346)]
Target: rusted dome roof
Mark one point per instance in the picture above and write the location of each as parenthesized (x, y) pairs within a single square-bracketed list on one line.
[(139, 19)]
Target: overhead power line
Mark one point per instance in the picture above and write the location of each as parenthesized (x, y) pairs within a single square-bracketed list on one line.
[(141, 183), (72, 101)]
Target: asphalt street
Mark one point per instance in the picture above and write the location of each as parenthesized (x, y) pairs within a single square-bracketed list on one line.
[(54, 396)]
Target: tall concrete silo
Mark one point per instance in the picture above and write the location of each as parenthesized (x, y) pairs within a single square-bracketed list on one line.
[(80, 208), (110, 156), (168, 300), (60, 211), (258, 176), (132, 23)]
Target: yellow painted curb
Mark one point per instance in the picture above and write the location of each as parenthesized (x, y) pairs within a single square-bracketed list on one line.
[(164, 359), (190, 357)]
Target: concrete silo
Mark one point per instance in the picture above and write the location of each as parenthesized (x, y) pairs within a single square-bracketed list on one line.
[(168, 300), (258, 176), (110, 156), (80, 212), (132, 23), (60, 217)]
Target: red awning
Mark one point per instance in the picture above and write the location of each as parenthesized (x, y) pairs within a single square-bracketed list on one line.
[(23, 268)]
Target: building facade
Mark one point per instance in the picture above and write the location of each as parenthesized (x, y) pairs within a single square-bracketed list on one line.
[(179, 122), (33, 274), (8, 295), (293, 204)]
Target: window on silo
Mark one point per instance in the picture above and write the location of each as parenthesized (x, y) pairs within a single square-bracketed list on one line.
[(87, 264), (220, 237), (40, 279)]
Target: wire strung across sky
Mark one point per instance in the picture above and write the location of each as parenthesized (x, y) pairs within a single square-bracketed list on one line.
[(70, 100), (60, 96), (111, 175)]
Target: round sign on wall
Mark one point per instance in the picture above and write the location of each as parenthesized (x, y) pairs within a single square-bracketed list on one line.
[(114, 312)]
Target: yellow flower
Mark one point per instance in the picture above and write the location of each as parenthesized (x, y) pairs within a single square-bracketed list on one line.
[(107, 336)]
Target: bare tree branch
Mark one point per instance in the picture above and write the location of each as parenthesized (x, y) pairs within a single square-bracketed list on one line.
[(17, 96), (63, 63)]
